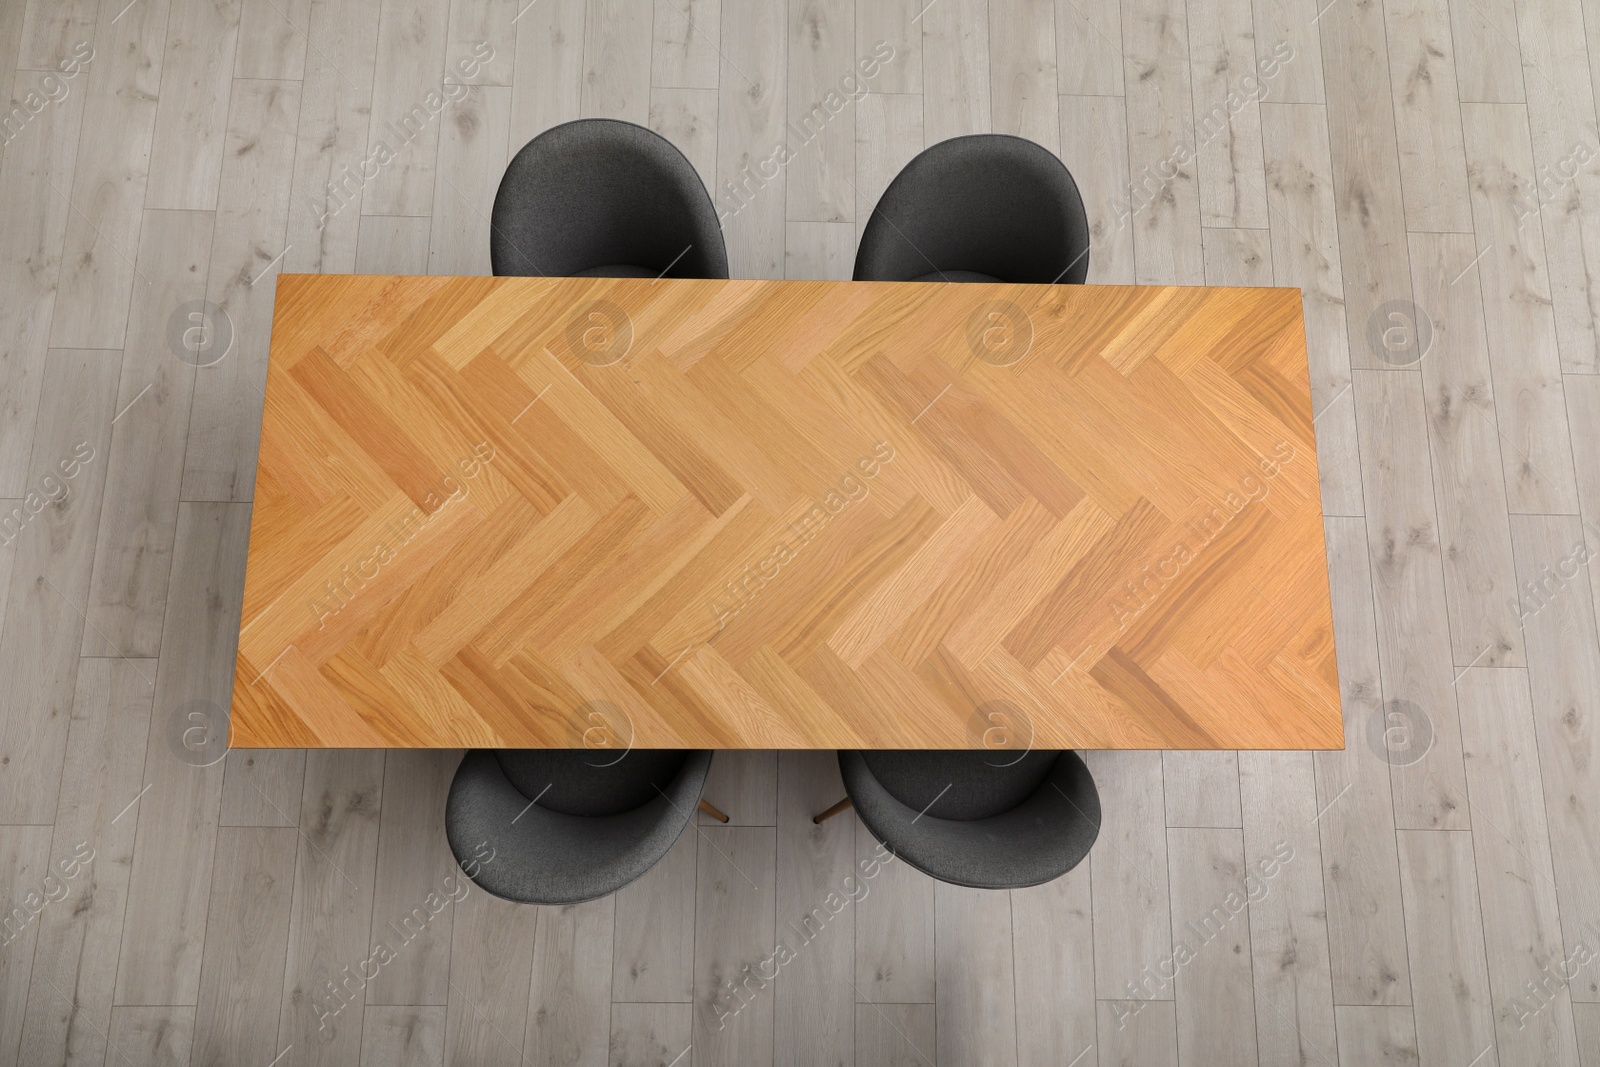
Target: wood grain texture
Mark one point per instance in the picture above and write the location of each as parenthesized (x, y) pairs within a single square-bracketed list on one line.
[(783, 515)]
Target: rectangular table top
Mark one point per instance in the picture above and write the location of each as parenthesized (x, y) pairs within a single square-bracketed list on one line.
[(541, 512)]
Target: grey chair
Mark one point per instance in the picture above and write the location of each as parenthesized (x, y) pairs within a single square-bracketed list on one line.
[(603, 198), (556, 826), (983, 208), (985, 819)]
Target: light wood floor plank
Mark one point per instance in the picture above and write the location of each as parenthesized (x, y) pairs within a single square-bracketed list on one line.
[(684, 44), (1089, 47), (1558, 80), (241, 970), (1535, 450), (1022, 71), (650, 1035), (1588, 1023), (192, 118), (652, 952), (1408, 594), (1289, 46), (549, 69), (1535, 447), (1128, 870), (1564, 675), (50, 567), (1516, 884), (51, 29), (895, 1035), (1290, 965), (976, 993), (1052, 947), (75, 958), (1227, 92), (743, 785), (1355, 812), (273, 39), (403, 1037), (413, 862), (1201, 788), (326, 193), (569, 1010), (1138, 1033), (616, 51), (688, 118), (261, 786), (26, 860), (1094, 146), (1488, 62), (491, 953), (10, 527), (820, 250), (324, 977), (127, 597), (472, 160), (955, 70), (393, 244), (1450, 980), (892, 32), (1211, 941), (1427, 115), (734, 936), (820, 104), (1238, 257), (1475, 533), (1164, 193), (1376, 1037), (888, 136), (157, 1036), (481, 42), (247, 250), (1366, 170), (108, 182), (408, 106), (894, 930), (750, 188), (818, 888), (178, 816), (41, 155)]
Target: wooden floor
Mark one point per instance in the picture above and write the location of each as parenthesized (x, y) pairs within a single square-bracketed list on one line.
[(1431, 894)]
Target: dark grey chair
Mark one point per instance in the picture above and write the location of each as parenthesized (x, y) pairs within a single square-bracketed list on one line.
[(602, 198), (984, 208), (558, 826), (986, 819)]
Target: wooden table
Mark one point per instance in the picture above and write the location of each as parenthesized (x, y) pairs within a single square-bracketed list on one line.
[(764, 514)]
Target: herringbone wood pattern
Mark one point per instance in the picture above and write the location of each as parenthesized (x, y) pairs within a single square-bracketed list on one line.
[(785, 515)]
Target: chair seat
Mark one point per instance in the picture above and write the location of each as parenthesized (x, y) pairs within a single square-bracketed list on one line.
[(618, 270), (956, 276), (1037, 841), (530, 854)]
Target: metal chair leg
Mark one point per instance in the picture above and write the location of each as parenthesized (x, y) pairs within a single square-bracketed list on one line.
[(831, 812), (713, 812)]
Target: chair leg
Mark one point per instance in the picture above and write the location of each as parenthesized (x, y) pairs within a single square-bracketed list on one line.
[(831, 812), (713, 812)]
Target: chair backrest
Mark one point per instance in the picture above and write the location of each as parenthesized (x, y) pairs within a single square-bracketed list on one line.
[(598, 193), (985, 204), (960, 785), (591, 782)]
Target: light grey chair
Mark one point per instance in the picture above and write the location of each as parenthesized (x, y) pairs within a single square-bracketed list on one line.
[(983, 819), (558, 826), (983, 208), (604, 198)]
